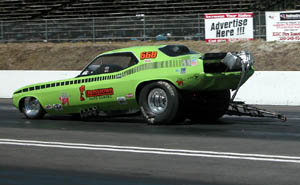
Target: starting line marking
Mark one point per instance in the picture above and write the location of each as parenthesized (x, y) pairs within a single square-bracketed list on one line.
[(158, 151)]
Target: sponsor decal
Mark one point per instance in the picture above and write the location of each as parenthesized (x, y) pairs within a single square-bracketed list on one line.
[(100, 97), (180, 82), (122, 100), (82, 89), (147, 60), (57, 107), (183, 70), (48, 107), (64, 99), (148, 55), (99, 92), (95, 93), (119, 76), (177, 70), (194, 62), (129, 95)]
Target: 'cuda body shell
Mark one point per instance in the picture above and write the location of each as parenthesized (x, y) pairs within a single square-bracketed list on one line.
[(119, 90)]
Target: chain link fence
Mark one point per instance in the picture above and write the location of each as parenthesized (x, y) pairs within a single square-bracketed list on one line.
[(139, 27)]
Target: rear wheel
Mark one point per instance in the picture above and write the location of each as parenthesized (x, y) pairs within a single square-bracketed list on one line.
[(209, 106), (32, 108), (160, 103)]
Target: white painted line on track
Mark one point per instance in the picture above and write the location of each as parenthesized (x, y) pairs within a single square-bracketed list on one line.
[(159, 151)]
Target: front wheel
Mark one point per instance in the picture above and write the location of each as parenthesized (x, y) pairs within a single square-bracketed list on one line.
[(32, 108), (160, 103)]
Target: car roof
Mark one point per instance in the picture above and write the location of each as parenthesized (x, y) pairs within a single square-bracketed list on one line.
[(135, 49), (168, 50)]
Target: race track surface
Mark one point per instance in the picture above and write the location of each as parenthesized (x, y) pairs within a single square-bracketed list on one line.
[(234, 150)]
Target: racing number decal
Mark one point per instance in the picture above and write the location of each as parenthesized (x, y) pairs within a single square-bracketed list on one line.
[(148, 55)]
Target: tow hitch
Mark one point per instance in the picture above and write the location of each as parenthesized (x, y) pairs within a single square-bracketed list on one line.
[(241, 109)]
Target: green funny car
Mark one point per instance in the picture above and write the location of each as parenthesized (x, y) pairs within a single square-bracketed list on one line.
[(166, 83)]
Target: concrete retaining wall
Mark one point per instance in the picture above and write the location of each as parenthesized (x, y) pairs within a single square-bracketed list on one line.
[(11, 80), (272, 88), (264, 87)]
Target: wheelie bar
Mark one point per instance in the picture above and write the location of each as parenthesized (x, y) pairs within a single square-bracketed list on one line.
[(241, 109)]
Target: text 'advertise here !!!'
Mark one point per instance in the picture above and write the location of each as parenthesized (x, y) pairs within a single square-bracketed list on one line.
[(228, 27)]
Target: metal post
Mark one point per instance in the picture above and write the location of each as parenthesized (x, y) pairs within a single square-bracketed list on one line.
[(259, 25), (142, 17), (93, 29), (144, 28), (2, 31), (46, 30), (199, 30)]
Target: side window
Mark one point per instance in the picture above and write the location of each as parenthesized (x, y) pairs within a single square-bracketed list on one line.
[(110, 63)]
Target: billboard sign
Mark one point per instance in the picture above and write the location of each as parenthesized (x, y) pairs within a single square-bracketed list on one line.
[(228, 27), (283, 26)]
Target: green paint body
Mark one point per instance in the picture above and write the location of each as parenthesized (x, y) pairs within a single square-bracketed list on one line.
[(118, 90)]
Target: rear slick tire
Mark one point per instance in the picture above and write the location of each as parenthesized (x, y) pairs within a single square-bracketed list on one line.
[(215, 106), (160, 103)]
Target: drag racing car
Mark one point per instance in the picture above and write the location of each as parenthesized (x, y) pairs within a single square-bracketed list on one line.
[(166, 84)]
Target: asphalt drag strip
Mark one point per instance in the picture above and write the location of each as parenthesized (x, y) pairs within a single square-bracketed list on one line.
[(234, 150), (157, 151), (8, 108)]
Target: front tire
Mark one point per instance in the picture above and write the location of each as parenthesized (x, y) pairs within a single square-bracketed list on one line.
[(32, 108), (160, 103)]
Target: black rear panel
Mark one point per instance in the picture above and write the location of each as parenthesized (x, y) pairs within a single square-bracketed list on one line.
[(212, 63), (216, 67), (213, 56)]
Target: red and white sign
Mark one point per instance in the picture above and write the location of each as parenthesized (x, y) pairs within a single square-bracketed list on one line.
[(228, 27), (283, 26)]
